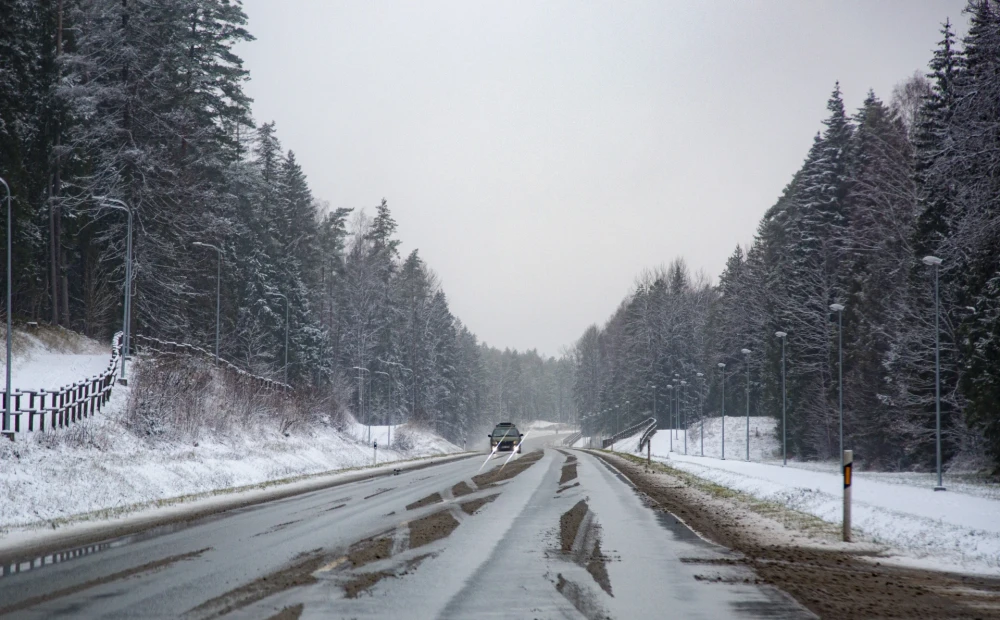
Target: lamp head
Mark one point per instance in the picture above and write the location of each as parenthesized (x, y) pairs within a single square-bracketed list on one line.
[(745, 351), (780, 334), (837, 307), (721, 365), (932, 260)]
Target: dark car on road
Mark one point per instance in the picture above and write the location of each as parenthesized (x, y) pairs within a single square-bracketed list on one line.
[(505, 437)]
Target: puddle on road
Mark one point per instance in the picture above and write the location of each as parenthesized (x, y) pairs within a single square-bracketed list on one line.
[(14, 567), (149, 567)]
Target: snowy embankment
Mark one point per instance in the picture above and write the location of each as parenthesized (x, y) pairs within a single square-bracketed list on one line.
[(98, 468), (103, 468), (958, 529), (543, 427), (764, 446), (947, 530), (51, 358)]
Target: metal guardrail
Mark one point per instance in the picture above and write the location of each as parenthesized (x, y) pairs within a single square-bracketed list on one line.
[(572, 439), (628, 432), (647, 435), (66, 405), (166, 347)]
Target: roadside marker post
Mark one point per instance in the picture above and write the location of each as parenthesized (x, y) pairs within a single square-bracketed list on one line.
[(375, 452), (848, 464), (649, 458)]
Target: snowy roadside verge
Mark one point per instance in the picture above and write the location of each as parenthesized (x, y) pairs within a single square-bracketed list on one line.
[(803, 555), (915, 526), (18, 543)]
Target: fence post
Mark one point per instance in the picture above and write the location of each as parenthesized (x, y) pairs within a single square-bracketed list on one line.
[(41, 409), (848, 464)]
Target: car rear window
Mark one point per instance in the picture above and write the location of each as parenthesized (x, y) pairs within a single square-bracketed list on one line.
[(510, 431)]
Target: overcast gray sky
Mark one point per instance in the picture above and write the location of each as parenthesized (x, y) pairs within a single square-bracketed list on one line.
[(541, 154)]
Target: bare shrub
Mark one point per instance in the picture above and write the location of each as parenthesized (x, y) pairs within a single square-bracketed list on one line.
[(169, 396), (178, 396), (402, 439)]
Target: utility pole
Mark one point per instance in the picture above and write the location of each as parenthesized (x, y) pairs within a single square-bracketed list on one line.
[(936, 263), (746, 353), (722, 368), (784, 421), (701, 413), (684, 424), (839, 309), (127, 310), (10, 326)]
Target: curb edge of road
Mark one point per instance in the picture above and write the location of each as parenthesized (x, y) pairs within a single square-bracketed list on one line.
[(37, 542), (601, 456)]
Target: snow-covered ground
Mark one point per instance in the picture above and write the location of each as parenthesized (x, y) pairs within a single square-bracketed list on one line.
[(544, 427), (104, 469), (421, 442), (764, 446), (98, 468), (958, 529), (949, 530), (52, 358)]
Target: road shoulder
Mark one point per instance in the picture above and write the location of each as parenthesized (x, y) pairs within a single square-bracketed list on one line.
[(802, 555), (91, 528)]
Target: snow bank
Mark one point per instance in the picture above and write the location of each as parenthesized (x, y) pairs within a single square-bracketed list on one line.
[(97, 466), (949, 530), (418, 441), (764, 445)]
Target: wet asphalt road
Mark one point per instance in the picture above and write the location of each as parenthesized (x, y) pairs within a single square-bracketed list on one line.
[(536, 548)]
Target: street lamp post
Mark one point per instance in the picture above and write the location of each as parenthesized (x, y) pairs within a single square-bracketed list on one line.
[(684, 424), (654, 402), (746, 354), (218, 292), (10, 326), (935, 262), (388, 426), (677, 417), (670, 416), (722, 368), (701, 412), (839, 309), (286, 334), (784, 422), (112, 203), (614, 435)]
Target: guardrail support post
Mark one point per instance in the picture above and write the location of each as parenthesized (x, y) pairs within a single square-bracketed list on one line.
[(649, 454), (848, 465)]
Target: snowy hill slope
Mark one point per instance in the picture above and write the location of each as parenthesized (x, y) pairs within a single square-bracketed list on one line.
[(51, 357), (109, 466)]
